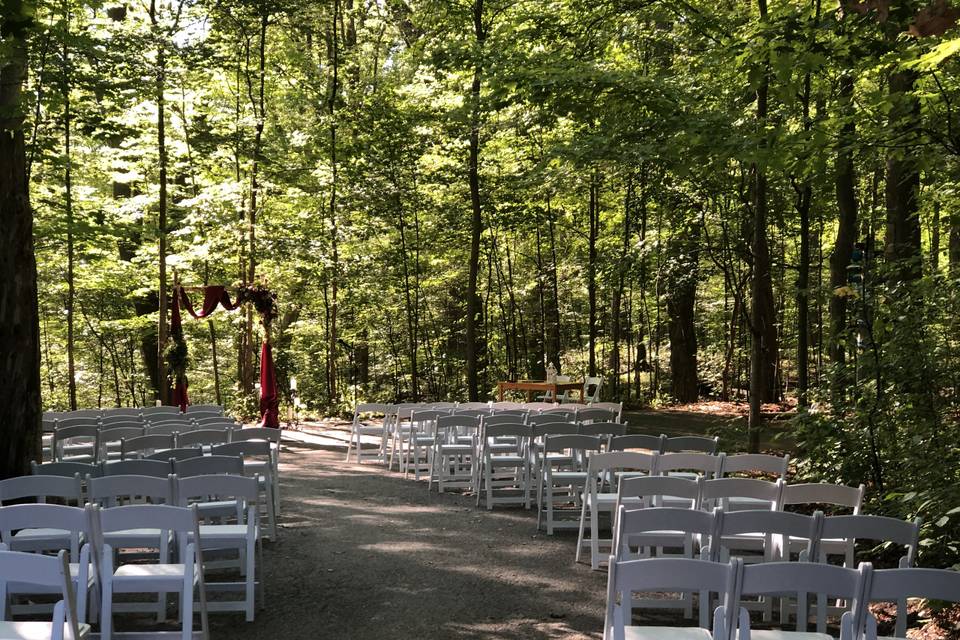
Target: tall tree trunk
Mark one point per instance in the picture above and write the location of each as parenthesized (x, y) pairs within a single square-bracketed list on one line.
[(802, 204), (19, 315), (553, 344), (334, 246), (846, 188), (594, 215), (935, 239), (160, 87), (410, 307), (763, 349), (617, 297), (682, 277), (68, 205), (902, 241), (476, 221), (953, 248)]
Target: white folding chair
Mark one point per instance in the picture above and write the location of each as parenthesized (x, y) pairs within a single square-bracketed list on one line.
[(242, 536), (39, 528), (668, 575), (47, 573), (39, 489), (881, 530), (774, 467), (729, 492), (454, 452), (422, 425), (635, 441), (826, 494), (506, 466), (595, 414), (604, 471), (140, 446), (76, 442), (673, 532), (162, 410), (616, 407), (777, 579), (690, 465), (562, 462), (897, 585), (359, 429), (161, 577), (273, 436), (195, 409), (203, 437), (108, 443), (399, 429), (257, 462), (758, 535), (137, 467), (691, 444)]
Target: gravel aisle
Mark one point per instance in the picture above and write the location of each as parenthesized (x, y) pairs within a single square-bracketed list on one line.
[(364, 553)]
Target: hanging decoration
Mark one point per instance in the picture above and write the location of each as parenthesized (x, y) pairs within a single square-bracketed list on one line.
[(264, 302)]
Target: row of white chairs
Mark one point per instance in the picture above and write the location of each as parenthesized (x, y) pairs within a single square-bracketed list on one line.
[(90, 444), (754, 535), (395, 421), (731, 581), (105, 412), (252, 458), (174, 538), (593, 487), (219, 497)]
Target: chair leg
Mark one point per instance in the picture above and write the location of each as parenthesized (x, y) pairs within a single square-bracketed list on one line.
[(583, 518), (186, 608), (250, 586), (106, 608), (594, 538), (550, 508)]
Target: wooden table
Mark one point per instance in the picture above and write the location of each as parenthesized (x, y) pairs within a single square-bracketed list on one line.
[(530, 386)]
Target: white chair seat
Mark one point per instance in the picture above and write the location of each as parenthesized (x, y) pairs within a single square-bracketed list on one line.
[(211, 534), (128, 535), (666, 633), (506, 459), (36, 535), (569, 476), (456, 448), (130, 578), (29, 630)]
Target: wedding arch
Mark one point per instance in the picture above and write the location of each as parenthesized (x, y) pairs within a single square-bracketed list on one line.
[(265, 303)]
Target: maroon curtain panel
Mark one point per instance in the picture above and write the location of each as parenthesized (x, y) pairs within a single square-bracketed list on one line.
[(180, 396), (269, 400)]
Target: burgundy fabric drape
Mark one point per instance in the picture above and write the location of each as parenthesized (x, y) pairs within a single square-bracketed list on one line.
[(180, 396), (269, 399), (212, 296)]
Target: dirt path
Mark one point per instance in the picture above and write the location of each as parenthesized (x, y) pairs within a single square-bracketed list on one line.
[(364, 553)]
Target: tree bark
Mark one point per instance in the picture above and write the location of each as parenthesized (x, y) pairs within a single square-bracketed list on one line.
[(617, 297), (334, 245), (68, 205), (902, 241), (594, 215), (681, 302), (846, 189), (19, 314), (763, 348), (160, 87), (476, 221)]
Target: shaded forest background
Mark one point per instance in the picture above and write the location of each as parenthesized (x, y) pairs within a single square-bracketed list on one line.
[(691, 199)]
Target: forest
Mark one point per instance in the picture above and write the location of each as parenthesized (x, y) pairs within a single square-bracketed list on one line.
[(694, 200)]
